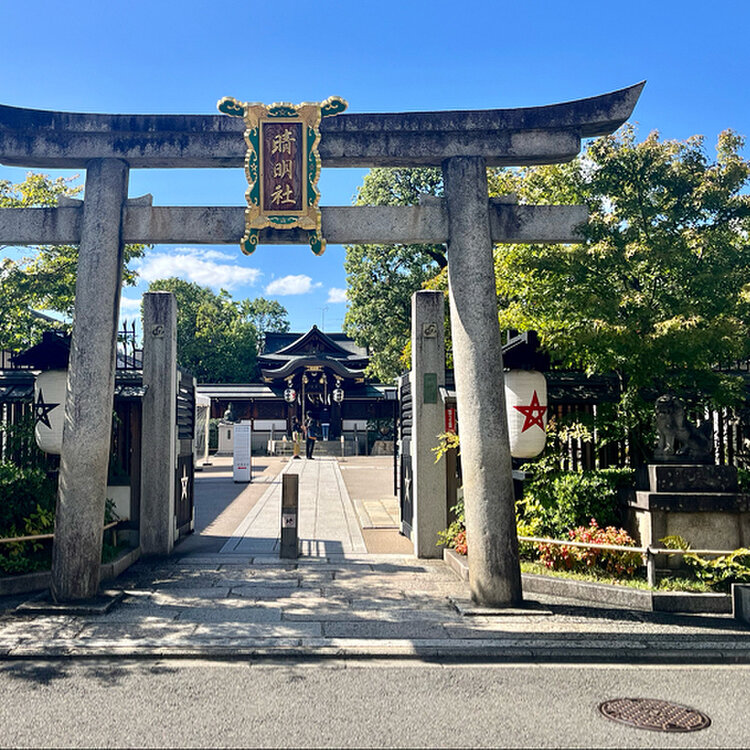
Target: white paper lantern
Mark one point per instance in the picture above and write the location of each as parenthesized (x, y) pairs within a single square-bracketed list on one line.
[(526, 404), (49, 409)]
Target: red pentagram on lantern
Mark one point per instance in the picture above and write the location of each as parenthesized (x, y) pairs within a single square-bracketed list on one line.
[(533, 413)]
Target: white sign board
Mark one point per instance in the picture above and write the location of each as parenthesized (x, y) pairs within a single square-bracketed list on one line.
[(241, 466)]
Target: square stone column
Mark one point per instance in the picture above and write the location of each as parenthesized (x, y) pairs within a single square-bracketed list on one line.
[(428, 414), (159, 442)]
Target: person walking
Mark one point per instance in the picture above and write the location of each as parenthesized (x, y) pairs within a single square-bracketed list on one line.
[(325, 422), (296, 437), (312, 436)]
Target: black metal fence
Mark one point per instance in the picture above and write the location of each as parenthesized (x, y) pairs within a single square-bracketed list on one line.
[(406, 499), (129, 356)]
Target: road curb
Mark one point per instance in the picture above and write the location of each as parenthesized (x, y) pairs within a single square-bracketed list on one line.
[(604, 593), (480, 654), (29, 583)]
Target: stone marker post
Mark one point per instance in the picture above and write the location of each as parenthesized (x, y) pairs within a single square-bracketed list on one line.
[(494, 570), (84, 458), (289, 548), (427, 374), (159, 424)]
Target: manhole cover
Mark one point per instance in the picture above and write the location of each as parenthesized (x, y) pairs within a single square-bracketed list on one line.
[(658, 716)]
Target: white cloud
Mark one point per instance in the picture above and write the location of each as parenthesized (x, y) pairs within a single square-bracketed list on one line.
[(130, 305), (206, 254), (336, 295), (288, 285), (200, 266)]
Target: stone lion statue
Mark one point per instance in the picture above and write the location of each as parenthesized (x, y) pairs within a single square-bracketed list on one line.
[(677, 439)]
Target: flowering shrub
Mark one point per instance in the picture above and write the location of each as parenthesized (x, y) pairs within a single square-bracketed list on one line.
[(528, 523), (459, 543), (563, 500), (455, 535), (614, 562)]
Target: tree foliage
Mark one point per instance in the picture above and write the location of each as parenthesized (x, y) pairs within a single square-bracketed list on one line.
[(217, 337), (658, 292), (382, 278), (266, 315), (45, 278)]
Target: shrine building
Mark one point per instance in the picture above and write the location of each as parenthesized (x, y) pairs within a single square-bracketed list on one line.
[(314, 374)]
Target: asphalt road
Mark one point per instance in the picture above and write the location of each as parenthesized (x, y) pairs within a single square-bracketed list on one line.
[(354, 704)]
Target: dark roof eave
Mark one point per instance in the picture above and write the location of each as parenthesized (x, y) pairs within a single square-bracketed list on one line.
[(293, 365), (314, 331)]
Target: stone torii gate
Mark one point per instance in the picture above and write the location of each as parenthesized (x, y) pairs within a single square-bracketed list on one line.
[(463, 143)]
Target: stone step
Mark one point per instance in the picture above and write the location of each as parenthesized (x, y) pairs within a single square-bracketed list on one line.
[(332, 448), (692, 478), (691, 502), (322, 448)]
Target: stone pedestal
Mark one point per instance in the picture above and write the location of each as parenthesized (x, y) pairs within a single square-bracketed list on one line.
[(226, 438), (697, 502), (382, 448)]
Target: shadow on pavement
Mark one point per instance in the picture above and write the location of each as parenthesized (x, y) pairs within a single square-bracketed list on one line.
[(106, 674)]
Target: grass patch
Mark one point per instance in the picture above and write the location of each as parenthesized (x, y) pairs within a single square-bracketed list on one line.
[(637, 581)]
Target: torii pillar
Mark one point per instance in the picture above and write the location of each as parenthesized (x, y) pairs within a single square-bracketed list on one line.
[(87, 430), (494, 569)]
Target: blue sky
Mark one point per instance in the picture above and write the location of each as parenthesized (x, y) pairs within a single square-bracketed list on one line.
[(181, 57)]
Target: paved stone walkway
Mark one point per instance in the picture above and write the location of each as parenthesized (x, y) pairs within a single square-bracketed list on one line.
[(234, 598), (328, 525), (363, 606), (376, 509)]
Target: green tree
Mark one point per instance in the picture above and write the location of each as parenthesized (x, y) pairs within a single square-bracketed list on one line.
[(382, 278), (266, 315), (658, 292), (45, 279), (217, 339)]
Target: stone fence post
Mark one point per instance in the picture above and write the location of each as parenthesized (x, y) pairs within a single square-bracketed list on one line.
[(159, 424), (427, 375)]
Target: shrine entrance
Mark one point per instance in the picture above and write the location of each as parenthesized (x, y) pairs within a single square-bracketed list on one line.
[(463, 144)]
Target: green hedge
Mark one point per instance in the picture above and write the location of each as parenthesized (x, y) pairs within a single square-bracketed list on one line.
[(562, 500), (27, 506), (21, 491)]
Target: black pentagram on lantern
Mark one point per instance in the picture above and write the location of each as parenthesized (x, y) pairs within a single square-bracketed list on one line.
[(42, 410)]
